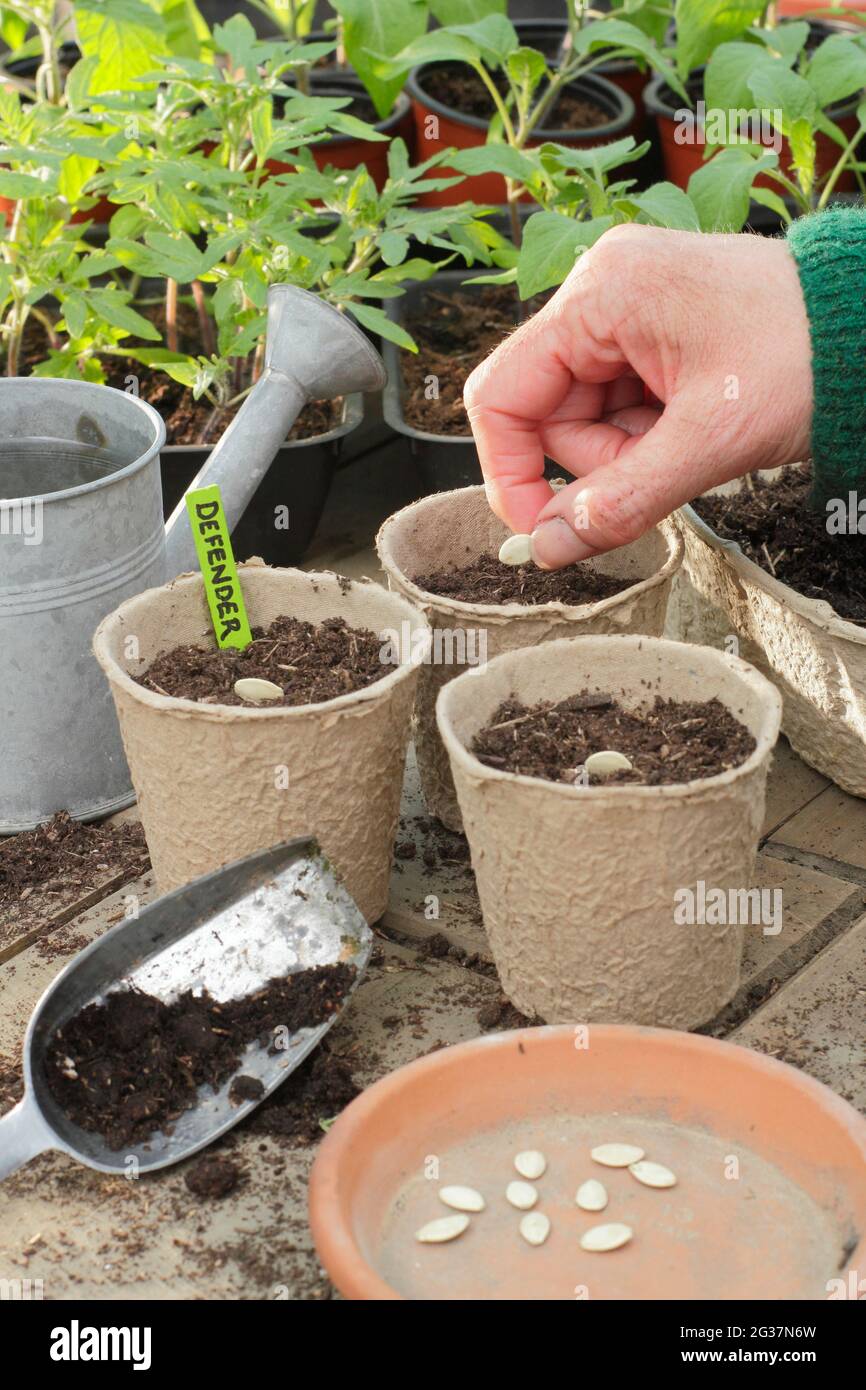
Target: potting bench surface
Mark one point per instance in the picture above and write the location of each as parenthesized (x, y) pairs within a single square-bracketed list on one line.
[(802, 999)]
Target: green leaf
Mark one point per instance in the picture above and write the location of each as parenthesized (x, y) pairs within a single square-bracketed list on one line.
[(16, 186), (112, 306), (785, 39), (495, 159), (704, 24), (551, 244), (526, 67), (837, 69), (777, 90), (619, 34), (78, 82), (414, 269), (726, 80), (720, 189), (125, 36), (13, 29), (393, 248), (75, 171), (439, 46), (186, 30), (74, 308), (464, 11), (372, 31), (378, 322), (665, 205), (768, 199), (597, 161)]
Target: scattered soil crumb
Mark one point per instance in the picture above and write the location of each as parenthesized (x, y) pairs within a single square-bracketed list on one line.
[(489, 580), (668, 742), (212, 1177), (310, 662), (321, 1087), (245, 1088)]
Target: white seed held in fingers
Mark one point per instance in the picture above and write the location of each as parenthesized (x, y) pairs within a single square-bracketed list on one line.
[(445, 1228), (617, 1155), (461, 1198), (592, 1195), (534, 1227), (257, 691), (652, 1174), (530, 1164), (521, 1195), (608, 1237), (558, 483), (516, 550), (603, 763)]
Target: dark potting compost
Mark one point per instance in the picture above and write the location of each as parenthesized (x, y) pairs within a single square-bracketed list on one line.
[(310, 662), (459, 87), (212, 1177), (454, 332), (489, 580), (130, 1065), (774, 525), (668, 742)]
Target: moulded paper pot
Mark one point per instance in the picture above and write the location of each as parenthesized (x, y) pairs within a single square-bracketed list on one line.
[(208, 777), (577, 884), (454, 528), (816, 658)]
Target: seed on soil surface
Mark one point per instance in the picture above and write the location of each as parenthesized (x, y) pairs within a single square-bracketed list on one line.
[(534, 1227), (603, 763), (461, 1198), (257, 691), (608, 1237), (516, 550), (521, 1195), (530, 1164), (444, 1228), (652, 1174), (617, 1155), (592, 1195)]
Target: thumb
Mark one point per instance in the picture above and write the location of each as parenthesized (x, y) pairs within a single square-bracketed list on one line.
[(652, 475)]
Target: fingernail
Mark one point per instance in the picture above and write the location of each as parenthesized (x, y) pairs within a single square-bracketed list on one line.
[(554, 545)]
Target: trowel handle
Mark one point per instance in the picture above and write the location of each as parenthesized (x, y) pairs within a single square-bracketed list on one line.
[(239, 462), (22, 1137)]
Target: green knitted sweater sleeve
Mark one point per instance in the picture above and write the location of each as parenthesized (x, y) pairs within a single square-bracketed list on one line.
[(830, 251)]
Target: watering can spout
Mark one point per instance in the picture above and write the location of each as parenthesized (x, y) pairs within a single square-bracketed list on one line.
[(312, 352)]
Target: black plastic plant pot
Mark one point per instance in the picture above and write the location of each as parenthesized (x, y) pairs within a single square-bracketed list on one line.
[(445, 461), (298, 480)]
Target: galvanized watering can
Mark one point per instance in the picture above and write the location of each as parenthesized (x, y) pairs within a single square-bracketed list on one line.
[(81, 530)]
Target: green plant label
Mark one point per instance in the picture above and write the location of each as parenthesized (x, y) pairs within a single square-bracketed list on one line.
[(221, 583)]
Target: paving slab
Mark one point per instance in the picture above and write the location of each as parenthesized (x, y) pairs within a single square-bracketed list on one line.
[(830, 827), (817, 1021)]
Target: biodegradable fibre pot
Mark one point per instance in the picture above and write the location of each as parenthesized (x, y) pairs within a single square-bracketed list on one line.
[(216, 783), (454, 528), (579, 884), (816, 658)]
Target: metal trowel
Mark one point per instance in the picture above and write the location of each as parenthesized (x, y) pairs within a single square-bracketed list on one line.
[(279, 911)]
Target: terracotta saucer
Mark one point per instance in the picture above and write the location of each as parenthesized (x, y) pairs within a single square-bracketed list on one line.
[(770, 1200)]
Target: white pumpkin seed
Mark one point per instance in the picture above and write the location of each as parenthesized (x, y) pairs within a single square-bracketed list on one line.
[(516, 550), (530, 1164), (534, 1227), (257, 691), (617, 1155), (652, 1174), (462, 1198), (603, 763), (558, 483), (445, 1228), (608, 1237), (521, 1195), (591, 1195)]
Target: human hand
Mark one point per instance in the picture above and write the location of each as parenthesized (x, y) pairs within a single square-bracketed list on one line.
[(714, 327)]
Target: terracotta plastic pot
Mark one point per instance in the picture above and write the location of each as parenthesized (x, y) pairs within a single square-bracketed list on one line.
[(454, 528), (577, 884), (209, 778), (816, 658), (683, 160), (439, 127), (792, 1229)]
